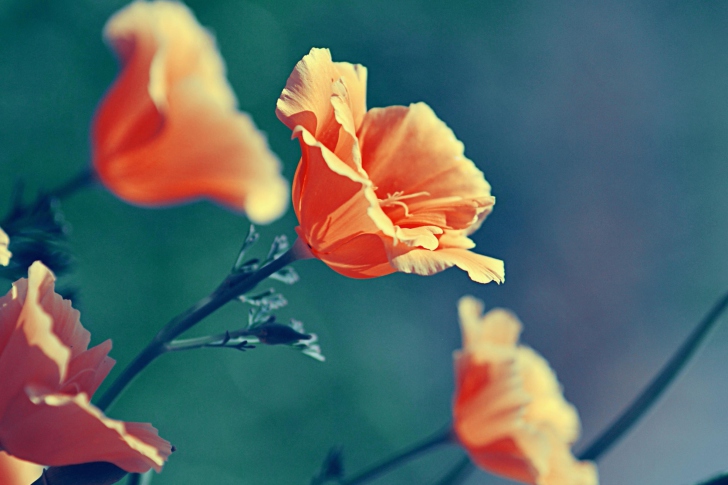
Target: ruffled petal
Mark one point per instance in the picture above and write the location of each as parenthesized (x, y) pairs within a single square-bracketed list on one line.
[(410, 150), (327, 99), (58, 429), (31, 341), (45, 413), (306, 99), (481, 269)]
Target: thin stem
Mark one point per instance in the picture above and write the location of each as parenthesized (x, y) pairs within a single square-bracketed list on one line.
[(659, 384), (720, 479), (458, 473), (400, 458), (83, 179), (233, 286), (239, 340)]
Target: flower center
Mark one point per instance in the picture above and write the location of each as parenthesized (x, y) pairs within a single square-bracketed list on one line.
[(397, 198)]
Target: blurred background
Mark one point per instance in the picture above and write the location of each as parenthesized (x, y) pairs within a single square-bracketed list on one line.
[(603, 129)]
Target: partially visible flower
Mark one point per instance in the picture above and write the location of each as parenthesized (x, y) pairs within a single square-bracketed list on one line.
[(168, 130), (509, 412), (47, 378), (383, 190), (17, 472), (4, 253)]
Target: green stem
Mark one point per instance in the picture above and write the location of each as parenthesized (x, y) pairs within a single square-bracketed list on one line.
[(400, 458), (458, 473), (233, 286), (83, 179), (659, 384)]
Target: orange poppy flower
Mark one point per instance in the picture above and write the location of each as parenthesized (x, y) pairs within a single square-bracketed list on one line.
[(168, 130), (47, 377), (383, 190), (17, 472), (4, 253), (509, 412)]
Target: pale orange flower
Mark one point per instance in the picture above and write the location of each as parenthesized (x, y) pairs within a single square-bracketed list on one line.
[(383, 190), (47, 377), (168, 130), (17, 472), (4, 253), (509, 412)]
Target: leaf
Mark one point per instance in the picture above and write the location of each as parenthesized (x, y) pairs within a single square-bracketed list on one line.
[(280, 245), (250, 240), (287, 275), (268, 300)]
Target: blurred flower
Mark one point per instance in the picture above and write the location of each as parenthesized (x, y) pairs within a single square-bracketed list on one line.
[(17, 472), (4, 253), (509, 411), (383, 190), (47, 379), (168, 130)]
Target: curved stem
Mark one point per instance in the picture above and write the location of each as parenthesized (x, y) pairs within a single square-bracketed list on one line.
[(458, 473), (720, 479), (233, 286), (400, 458), (659, 384)]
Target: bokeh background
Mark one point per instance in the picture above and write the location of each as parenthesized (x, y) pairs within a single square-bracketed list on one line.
[(603, 129)]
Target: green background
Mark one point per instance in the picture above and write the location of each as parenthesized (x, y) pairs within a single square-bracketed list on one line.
[(602, 129)]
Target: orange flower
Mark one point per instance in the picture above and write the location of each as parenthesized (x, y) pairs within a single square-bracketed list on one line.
[(47, 377), (168, 130), (17, 472), (383, 190), (509, 412), (4, 253)]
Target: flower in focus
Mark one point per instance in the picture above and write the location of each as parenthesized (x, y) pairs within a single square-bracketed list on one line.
[(168, 130), (4, 253), (17, 472), (509, 412), (47, 377), (383, 190)]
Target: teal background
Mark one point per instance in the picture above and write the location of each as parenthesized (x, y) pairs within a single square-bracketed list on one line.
[(602, 129)]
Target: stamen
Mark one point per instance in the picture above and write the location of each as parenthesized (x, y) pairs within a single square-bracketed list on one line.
[(398, 197)]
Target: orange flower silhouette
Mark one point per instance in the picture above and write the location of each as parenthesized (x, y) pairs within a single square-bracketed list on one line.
[(47, 377), (17, 472), (168, 130), (383, 190), (509, 412), (4, 253)]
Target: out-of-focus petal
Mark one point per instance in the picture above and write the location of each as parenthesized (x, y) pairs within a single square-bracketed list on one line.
[(509, 411), (14, 471), (168, 130)]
